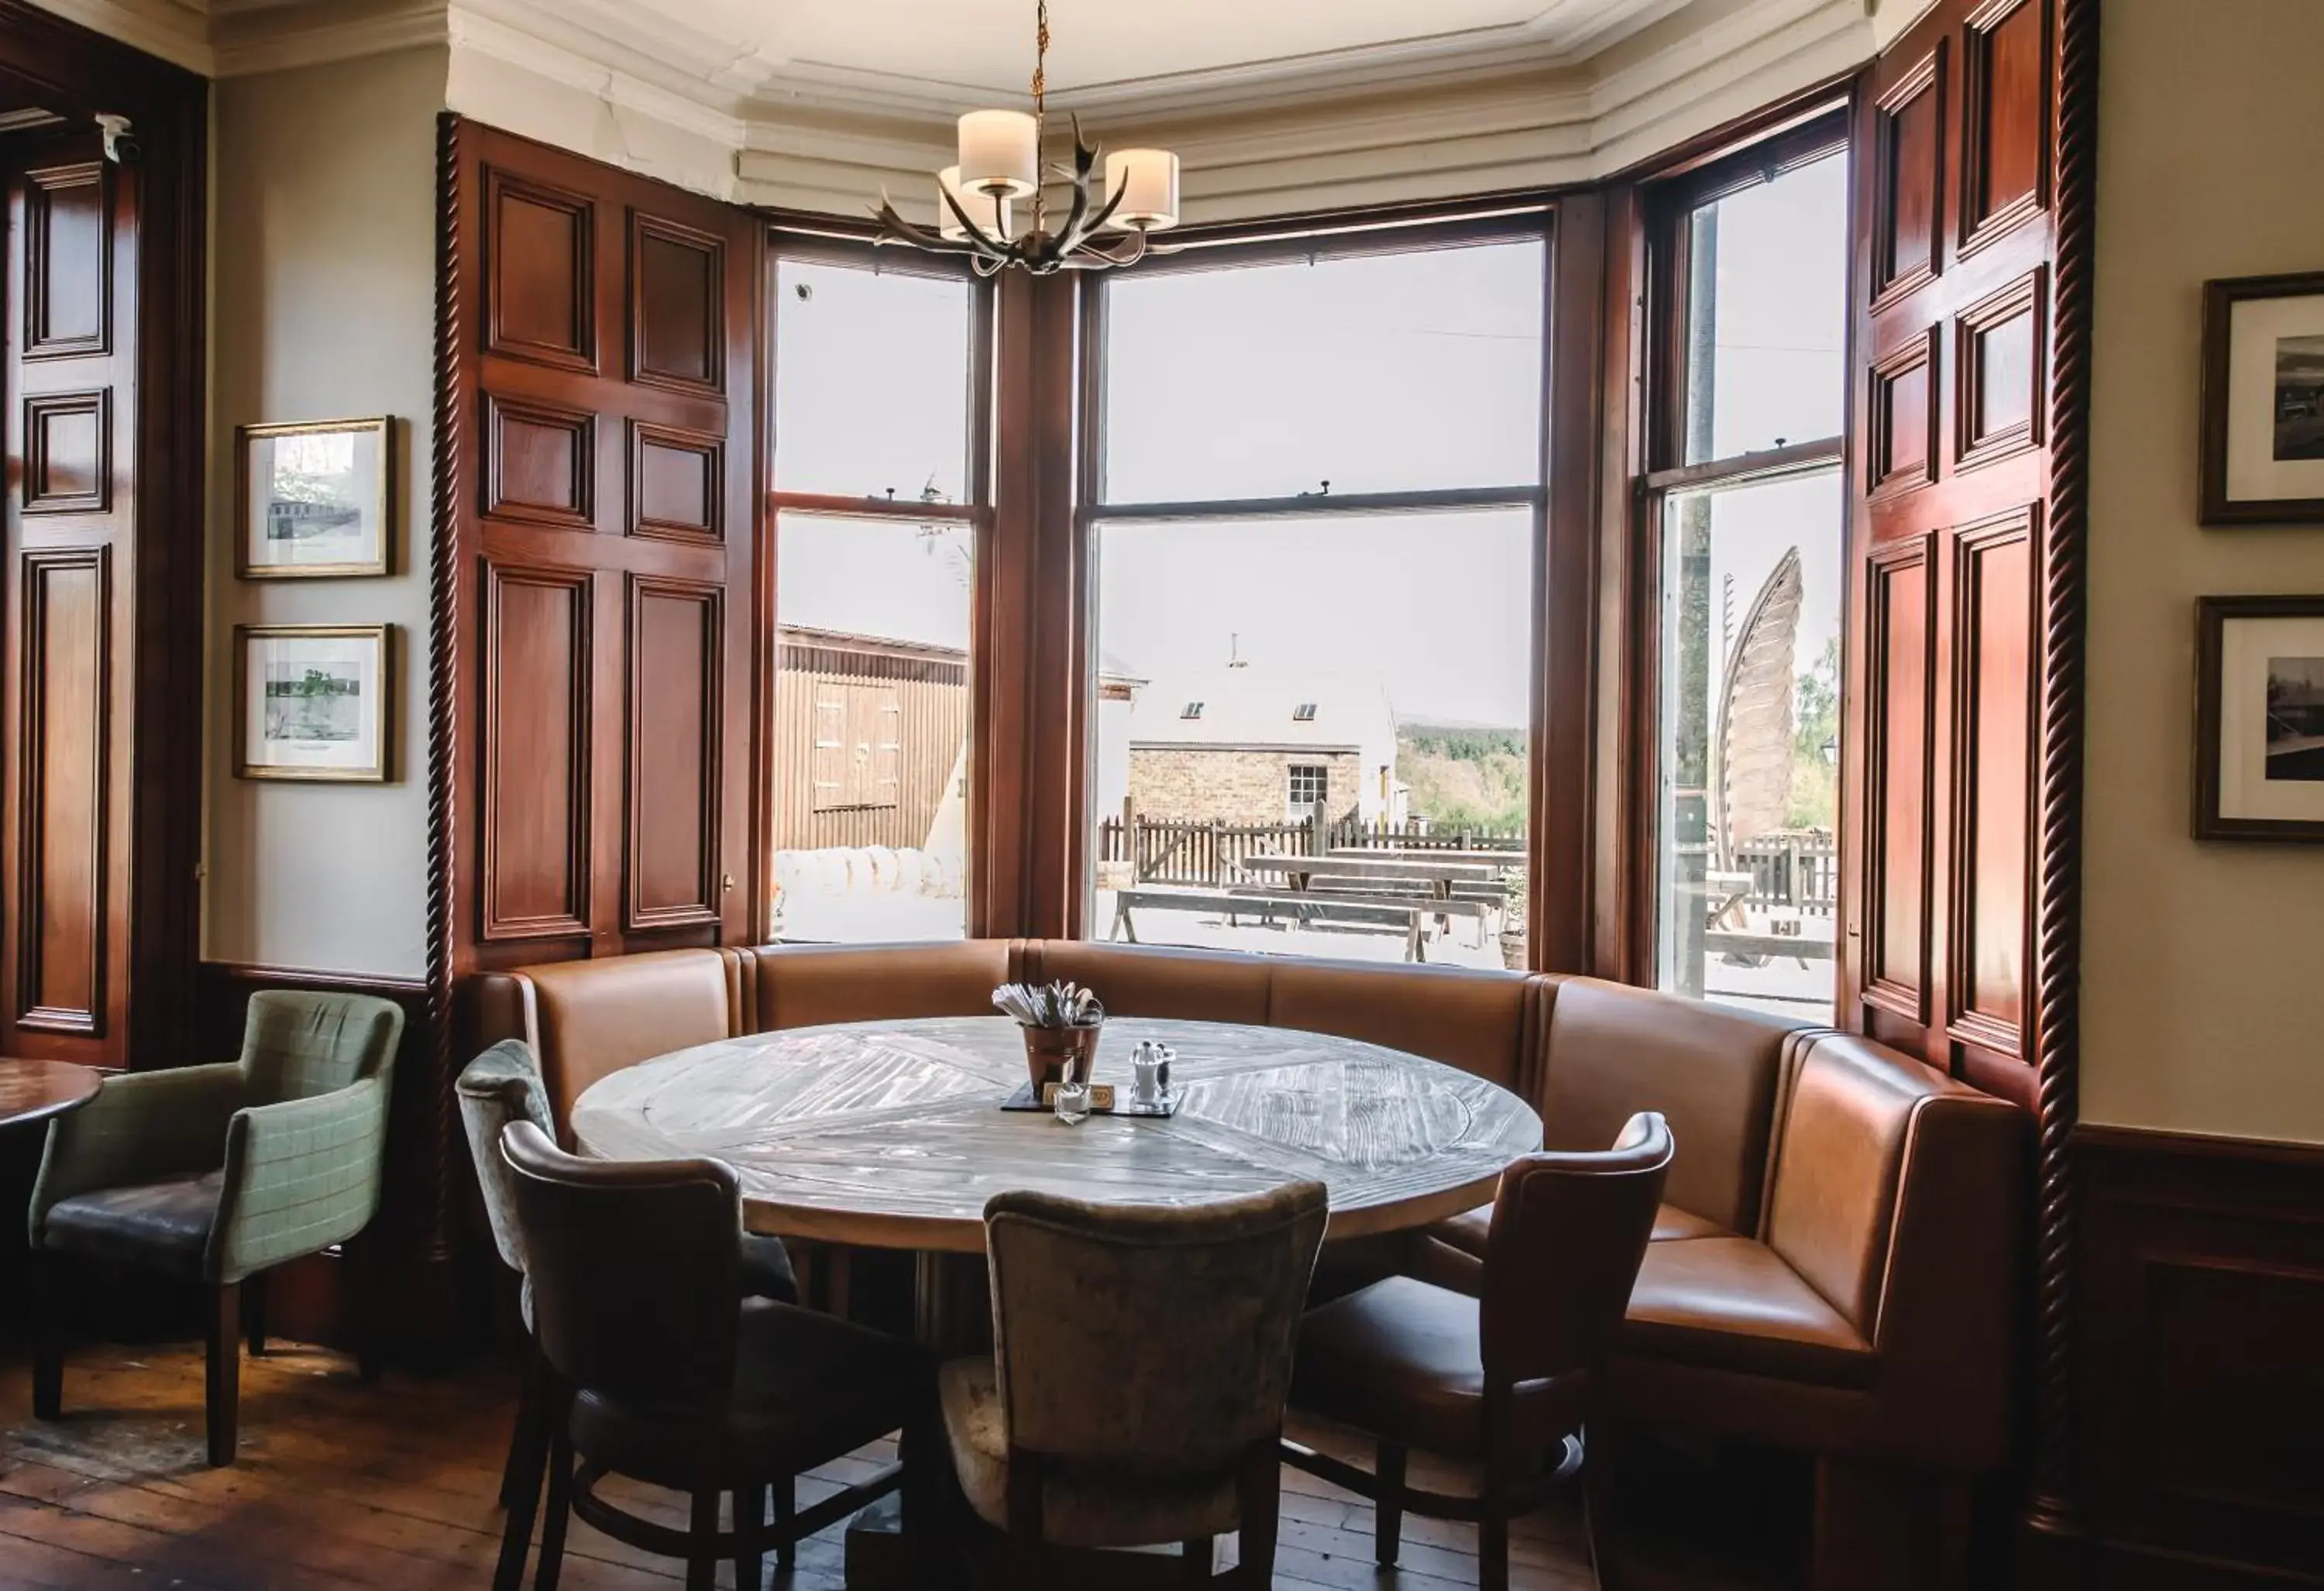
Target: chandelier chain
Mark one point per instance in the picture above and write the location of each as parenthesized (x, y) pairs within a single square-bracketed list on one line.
[(1040, 116)]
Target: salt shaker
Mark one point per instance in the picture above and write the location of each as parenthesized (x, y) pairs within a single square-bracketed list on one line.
[(1149, 1070)]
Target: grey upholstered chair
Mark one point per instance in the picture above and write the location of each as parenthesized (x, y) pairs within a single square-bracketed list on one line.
[(214, 1174), (505, 1085), (1141, 1357)]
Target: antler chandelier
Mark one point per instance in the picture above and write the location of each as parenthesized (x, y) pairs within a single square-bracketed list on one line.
[(1000, 164)]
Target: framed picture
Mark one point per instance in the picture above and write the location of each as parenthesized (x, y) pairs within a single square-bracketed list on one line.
[(2259, 718), (315, 701), (2262, 449), (313, 501)]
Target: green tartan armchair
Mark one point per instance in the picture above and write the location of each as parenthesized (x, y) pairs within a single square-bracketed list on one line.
[(214, 1174)]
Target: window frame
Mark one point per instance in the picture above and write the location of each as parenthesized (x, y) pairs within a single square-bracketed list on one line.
[(804, 241), (1560, 667), (1666, 206)]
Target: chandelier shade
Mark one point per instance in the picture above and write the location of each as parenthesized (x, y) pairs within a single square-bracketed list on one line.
[(1132, 192), (1142, 186), (1000, 153)]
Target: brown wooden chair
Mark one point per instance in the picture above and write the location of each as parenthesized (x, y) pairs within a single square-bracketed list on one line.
[(1505, 1378), (655, 1373), (501, 1086), (1135, 1392)]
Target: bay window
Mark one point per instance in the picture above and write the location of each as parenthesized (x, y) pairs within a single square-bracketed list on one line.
[(1746, 511), (1315, 518), (877, 499)]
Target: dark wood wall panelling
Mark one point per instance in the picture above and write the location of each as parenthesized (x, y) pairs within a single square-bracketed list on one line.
[(1955, 248), (100, 757), (2202, 1309), (602, 521), (596, 598)]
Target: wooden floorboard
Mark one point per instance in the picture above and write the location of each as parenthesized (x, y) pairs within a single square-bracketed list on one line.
[(344, 1486)]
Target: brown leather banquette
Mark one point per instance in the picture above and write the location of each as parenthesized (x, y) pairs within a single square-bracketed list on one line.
[(1836, 1269)]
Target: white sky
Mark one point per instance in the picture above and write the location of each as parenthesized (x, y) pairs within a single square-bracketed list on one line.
[(1382, 373)]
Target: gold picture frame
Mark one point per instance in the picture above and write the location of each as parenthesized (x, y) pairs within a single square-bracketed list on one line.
[(315, 701), (329, 510)]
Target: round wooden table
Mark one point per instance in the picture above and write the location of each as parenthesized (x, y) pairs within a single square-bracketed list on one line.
[(890, 1135), (35, 1091)]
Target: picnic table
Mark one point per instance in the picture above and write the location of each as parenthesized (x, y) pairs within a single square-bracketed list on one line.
[(1439, 880), (1500, 862)]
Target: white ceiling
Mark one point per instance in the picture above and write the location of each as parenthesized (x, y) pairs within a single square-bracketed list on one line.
[(1120, 51)]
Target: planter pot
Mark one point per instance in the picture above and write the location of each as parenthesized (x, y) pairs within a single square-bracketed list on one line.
[(1513, 949), (1047, 1049)]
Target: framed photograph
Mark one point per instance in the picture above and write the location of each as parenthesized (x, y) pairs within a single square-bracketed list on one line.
[(313, 501), (2262, 449), (315, 701), (2259, 718)]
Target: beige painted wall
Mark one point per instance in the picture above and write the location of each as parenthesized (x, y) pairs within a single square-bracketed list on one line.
[(323, 266), (2202, 963)]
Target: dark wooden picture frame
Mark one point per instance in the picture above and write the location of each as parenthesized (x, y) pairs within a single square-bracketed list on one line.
[(2220, 299), (2213, 615)]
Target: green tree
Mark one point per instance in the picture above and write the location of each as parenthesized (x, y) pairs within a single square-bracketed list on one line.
[(1815, 718)]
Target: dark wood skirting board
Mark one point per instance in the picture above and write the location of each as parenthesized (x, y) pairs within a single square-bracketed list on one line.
[(2202, 1382), (416, 1295)]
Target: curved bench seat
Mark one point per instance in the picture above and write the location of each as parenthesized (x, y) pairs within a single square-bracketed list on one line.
[(1837, 1269)]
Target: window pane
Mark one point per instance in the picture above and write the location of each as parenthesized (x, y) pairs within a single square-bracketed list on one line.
[(1378, 373), (1353, 688), (1750, 743), (872, 395), (1767, 312), (871, 744)]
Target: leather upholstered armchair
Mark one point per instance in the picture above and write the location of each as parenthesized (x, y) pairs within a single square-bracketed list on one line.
[(1508, 1378)]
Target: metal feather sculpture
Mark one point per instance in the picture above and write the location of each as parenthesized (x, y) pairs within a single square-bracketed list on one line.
[(1751, 742)]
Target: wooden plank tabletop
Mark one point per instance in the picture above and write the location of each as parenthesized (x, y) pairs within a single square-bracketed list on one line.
[(1500, 862), (890, 1134)]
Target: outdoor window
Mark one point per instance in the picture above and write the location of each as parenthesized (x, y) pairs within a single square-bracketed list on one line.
[(875, 560), (1316, 515), (1749, 512), (1310, 790)]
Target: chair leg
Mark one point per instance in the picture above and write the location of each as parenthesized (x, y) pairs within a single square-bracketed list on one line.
[(1261, 1503), (254, 1314), (1493, 1549), (701, 1541), (786, 1493), (750, 1516), (528, 1438), (1387, 1507), (360, 1264), (521, 1481), (48, 1334), (560, 1513), (222, 1372)]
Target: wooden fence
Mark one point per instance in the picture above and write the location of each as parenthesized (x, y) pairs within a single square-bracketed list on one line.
[(1208, 854), (1797, 871)]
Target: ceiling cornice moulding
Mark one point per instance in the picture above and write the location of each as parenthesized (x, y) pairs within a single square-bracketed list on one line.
[(1563, 97)]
